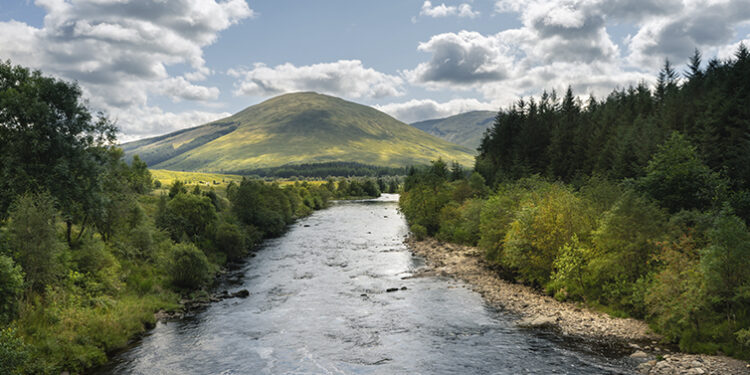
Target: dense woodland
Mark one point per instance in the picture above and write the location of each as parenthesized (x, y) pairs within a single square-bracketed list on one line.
[(636, 204), (89, 251)]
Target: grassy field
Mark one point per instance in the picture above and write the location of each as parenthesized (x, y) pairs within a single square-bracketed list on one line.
[(194, 178), (216, 180)]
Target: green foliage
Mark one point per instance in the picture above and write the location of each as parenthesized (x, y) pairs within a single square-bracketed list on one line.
[(11, 288), (188, 216), (92, 256), (459, 223), (677, 178), (625, 245), (419, 232), (50, 142), (13, 352), (231, 241), (546, 221), (33, 239), (177, 187), (189, 267)]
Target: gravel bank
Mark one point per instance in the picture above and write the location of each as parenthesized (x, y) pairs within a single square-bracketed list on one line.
[(537, 310)]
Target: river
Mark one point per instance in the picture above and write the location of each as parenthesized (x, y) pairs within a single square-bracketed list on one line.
[(318, 305)]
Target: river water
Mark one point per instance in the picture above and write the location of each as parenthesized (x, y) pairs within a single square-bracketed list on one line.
[(318, 305)]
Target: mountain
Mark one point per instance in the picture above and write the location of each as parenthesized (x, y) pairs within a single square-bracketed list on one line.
[(295, 129), (465, 129)]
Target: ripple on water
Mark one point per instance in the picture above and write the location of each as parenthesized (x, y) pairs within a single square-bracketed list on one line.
[(318, 306)]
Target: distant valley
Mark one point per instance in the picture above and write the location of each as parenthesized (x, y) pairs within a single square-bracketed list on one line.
[(465, 129)]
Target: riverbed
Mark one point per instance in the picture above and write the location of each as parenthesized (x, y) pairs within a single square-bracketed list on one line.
[(320, 304)]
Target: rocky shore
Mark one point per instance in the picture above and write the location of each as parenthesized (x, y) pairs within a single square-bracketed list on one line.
[(538, 310)]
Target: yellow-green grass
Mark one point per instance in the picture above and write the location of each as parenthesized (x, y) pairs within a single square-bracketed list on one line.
[(167, 177)]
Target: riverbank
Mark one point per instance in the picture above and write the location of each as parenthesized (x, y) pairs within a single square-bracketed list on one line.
[(540, 311)]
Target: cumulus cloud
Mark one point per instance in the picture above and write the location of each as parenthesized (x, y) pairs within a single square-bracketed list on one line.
[(698, 24), (423, 109), (347, 78), (154, 121), (566, 42), (119, 50), (463, 10), (462, 58)]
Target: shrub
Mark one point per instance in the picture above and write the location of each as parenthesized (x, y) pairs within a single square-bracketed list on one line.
[(188, 215), (231, 241), (419, 232), (13, 352), (422, 204), (625, 245), (548, 219), (189, 267), (497, 214), (11, 287), (460, 223), (92, 256), (33, 239), (679, 179), (142, 239)]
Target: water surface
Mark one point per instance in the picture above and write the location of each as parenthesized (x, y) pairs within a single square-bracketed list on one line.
[(318, 305)]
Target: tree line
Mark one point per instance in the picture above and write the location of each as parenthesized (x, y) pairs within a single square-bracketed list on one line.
[(636, 205), (89, 251)]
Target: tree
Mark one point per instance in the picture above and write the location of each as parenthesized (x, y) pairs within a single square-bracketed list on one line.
[(189, 268), (33, 239), (11, 286), (188, 215), (679, 179), (50, 142)]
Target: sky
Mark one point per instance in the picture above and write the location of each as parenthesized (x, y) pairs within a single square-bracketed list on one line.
[(161, 65)]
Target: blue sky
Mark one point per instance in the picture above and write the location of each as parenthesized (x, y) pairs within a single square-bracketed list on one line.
[(158, 66)]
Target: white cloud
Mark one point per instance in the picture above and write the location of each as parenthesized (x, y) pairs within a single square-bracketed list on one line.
[(348, 78), (423, 109), (464, 58), (463, 10), (154, 121), (566, 42), (706, 25), (119, 51)]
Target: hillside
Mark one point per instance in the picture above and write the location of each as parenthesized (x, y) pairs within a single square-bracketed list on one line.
[(465, 129), (295, 129)]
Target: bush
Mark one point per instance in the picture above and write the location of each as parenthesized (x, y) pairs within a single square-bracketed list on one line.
[(419, 232), (11, 287), (625, 248), (92, 256), (188, 215), (679, 179), (548, 219), (189, 267), (231, 241), (13, 352), (33, 239), (460, 223), (497, 214)]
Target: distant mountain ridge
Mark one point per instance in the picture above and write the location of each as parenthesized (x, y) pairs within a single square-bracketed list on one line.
[(299, 128), (465, 129)]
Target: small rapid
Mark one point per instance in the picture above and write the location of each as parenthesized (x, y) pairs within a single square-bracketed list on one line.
[(318, 305)]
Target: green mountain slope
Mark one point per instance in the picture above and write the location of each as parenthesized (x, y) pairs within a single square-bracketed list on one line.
[(465, 129), (294, 129)]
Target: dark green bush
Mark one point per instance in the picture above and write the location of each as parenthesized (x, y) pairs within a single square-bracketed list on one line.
[(231, 241), (189, 267), (33, 239), (11, 288)]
